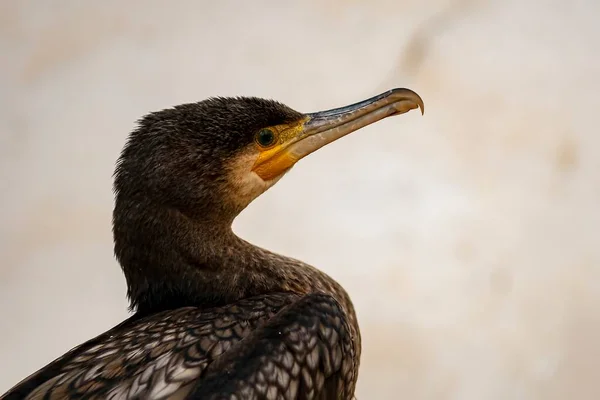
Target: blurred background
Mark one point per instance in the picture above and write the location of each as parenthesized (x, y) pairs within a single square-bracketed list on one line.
[(467, 238)]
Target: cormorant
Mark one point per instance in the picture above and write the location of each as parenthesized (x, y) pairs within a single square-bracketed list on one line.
[(215, 316)]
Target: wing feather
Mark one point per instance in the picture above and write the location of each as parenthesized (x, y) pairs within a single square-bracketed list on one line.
[(277, 346)]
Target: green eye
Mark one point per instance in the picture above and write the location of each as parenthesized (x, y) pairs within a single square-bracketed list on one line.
[(265, 137)]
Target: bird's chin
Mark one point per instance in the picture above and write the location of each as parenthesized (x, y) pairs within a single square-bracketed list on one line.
[(245, 186), (268, 183)]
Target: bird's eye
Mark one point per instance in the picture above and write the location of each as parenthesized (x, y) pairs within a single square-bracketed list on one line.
[(265, 137)]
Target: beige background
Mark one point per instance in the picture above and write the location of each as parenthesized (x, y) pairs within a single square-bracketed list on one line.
[(468, 238)]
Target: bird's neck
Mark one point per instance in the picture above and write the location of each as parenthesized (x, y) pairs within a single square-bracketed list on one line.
[(173, 260)]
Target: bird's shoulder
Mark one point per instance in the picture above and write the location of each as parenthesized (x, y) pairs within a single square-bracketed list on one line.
[(165, 355)]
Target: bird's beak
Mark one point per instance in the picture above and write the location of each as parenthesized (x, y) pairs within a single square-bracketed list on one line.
[(321, 128)]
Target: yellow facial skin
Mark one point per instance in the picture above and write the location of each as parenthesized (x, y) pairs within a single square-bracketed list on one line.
[(274, 160)]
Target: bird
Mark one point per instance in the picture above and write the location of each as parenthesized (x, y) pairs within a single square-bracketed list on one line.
[(213, 316)]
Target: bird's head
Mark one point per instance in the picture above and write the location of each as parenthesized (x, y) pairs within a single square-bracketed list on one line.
[(210, 159), (188, 171)]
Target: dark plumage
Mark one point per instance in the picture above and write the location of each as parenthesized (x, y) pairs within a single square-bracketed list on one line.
[(216, 317), (173, 167)]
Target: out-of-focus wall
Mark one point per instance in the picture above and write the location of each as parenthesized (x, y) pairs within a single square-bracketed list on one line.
[(468, 238)]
